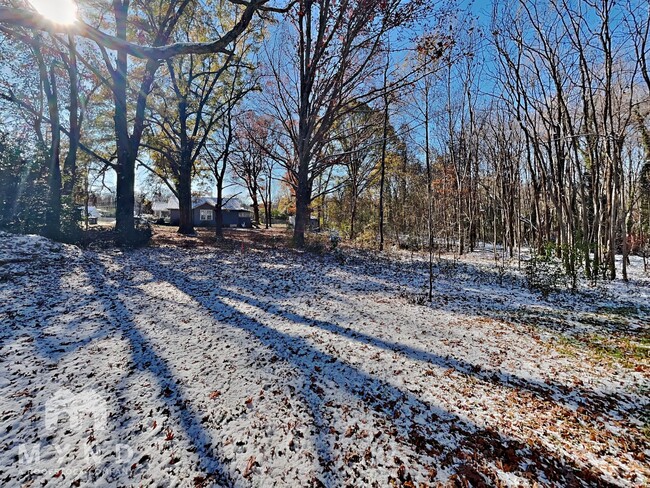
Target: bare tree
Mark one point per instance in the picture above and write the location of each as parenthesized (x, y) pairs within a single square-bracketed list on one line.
[(338, 47)]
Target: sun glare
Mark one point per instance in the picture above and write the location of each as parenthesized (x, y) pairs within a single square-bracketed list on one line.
[(58, 11)]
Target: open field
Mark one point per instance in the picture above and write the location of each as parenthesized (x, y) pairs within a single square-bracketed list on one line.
[(251, 364)]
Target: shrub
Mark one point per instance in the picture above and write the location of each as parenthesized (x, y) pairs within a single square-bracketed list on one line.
[(335, 240), (140, 236), (546, 273), (23, 188)]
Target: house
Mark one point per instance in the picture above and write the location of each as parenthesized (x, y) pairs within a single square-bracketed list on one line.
[(235, 214), (93, 214), (314, 223), (160, 211)]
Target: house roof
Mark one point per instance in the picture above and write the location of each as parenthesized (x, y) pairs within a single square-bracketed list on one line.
[(160, 206), (230, 203)]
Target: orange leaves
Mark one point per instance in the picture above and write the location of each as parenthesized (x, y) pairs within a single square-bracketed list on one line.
[(351, 430), (250, 465)]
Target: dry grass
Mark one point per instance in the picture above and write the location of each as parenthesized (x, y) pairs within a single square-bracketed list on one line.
[(277, 237)]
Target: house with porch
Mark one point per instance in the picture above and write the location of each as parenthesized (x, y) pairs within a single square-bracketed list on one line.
[(161, 211)]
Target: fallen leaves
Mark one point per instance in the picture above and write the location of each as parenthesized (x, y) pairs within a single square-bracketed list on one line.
[(349, 382), (250, 465), (351, 457)]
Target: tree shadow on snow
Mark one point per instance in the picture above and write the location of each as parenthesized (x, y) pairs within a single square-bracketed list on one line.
[(53, 340), (145, 358), (444, 439), (36, 315), (283, 284), (473, 446)]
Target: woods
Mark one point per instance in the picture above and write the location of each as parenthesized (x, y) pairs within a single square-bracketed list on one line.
[(394, 123)]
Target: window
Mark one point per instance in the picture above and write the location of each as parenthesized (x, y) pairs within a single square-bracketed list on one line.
[(243, 215), (207, 215)]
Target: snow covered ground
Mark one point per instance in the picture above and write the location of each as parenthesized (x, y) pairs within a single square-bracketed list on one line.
[(268, 367)]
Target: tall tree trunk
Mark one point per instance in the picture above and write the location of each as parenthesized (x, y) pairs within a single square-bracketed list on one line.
[(186, 221), (353, 212), (303, 198), (48, 83), (218, 211), (186, 213), (269, 204), (128, 143), (255, 200), (70, 163), (384, 147), (427, 155), (53, 215), (305, 126), (125, 168)]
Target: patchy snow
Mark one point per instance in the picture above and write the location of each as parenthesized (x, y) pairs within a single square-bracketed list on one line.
[(200, 367)]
